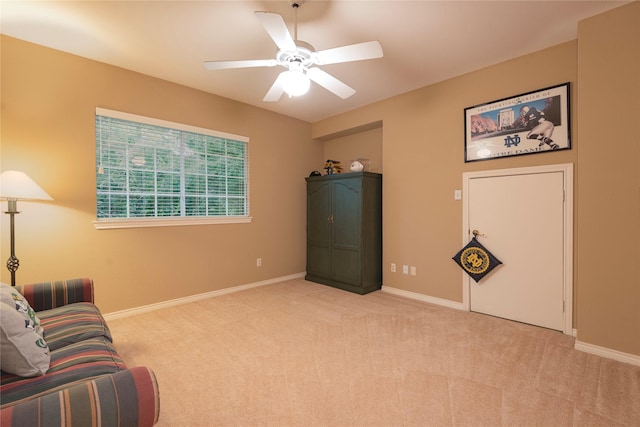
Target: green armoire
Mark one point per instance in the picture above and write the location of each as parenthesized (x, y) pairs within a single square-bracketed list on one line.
[(344, 231)]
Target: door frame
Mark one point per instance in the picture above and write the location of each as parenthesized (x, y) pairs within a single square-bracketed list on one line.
[(567, 171)]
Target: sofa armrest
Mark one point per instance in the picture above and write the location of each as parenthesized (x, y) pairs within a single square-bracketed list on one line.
[(127, 398), (48, 295)]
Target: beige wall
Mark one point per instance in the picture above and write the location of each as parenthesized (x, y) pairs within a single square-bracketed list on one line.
[(366, 144), (423, 152), (423, 135), (608, 198), (47, 130), (48, 105)]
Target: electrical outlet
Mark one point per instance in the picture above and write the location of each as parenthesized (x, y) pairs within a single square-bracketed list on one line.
[(405, 269), (259, 262), (393, 267), (413, 271)]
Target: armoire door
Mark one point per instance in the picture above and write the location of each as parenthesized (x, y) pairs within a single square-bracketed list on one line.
[(319, 228), (347, 234)]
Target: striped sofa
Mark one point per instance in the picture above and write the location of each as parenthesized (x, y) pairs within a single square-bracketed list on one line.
[(87, 383)]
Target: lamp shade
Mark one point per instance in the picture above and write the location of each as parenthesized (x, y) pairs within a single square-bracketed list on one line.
[(18, 185)]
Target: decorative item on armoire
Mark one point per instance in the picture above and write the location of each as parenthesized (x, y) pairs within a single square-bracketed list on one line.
[(356, 166), (333, 167), (366, 165)]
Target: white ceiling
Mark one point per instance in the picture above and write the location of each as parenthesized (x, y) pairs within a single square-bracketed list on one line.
[(423, 41)]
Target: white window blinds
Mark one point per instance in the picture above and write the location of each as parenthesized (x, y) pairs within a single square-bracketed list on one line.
[(148, 168)]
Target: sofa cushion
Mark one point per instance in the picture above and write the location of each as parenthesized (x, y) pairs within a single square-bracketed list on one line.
[(23, 351), (10, 295), (72, 323), (71, 364)]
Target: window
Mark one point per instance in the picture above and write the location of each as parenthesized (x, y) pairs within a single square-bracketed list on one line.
[(153, 172)]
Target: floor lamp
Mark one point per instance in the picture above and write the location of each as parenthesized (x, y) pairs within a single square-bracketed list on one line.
[(16, 185)]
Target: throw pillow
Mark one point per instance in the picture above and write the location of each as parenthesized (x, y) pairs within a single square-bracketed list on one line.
[(23, 352), (9, 295)]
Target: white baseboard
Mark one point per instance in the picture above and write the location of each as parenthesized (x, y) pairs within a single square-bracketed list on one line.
[(581, 346), (608, 353), (197, 297), (423, 298)]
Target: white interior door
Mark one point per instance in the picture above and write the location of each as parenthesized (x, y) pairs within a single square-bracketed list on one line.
[(522, 214)]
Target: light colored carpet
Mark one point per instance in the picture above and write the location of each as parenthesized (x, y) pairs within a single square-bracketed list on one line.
[(298, 353)]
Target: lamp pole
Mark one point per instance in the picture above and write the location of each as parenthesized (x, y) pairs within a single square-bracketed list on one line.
[(12, 263), (16, 185)]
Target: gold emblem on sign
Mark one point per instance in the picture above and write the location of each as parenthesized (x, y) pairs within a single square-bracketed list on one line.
[(474, 260)]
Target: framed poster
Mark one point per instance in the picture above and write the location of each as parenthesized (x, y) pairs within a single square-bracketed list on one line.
[(529, 123)]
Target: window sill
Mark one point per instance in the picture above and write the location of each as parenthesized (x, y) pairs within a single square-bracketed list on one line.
[(106, 224)]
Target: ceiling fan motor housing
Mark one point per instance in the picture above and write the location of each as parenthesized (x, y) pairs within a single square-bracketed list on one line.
[(303, 56)]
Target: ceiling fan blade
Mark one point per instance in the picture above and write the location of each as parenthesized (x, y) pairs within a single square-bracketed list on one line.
[(222, 65), (353, 52), (276, 90), (277, 29), (330, 83)]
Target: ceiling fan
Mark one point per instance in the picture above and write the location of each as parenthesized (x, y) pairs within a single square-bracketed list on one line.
[(299, 58)]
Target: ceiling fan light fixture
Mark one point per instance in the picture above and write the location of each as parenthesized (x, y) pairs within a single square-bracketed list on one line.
[(295, 82)]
